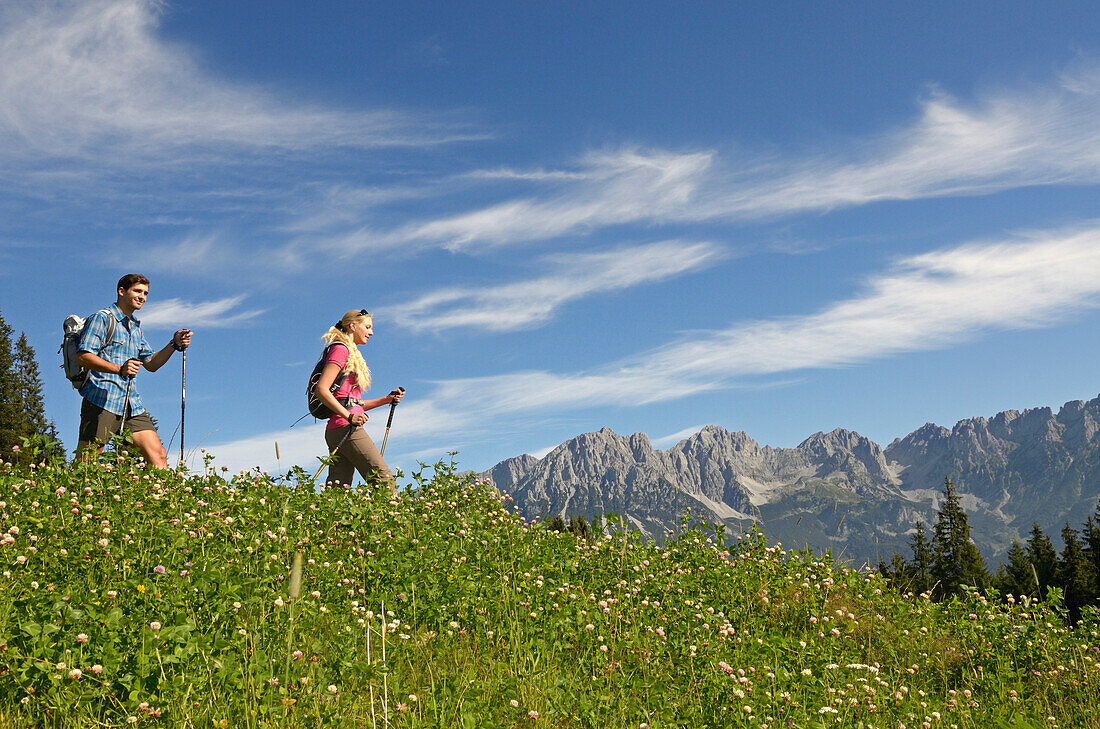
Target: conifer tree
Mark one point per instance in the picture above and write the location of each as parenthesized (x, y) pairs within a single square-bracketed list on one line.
[(920, 569), (898, 573), (956, 560), (1017, 576), (1073, 574), (33, 420), (1091, 538), (9, 393), (1044, 559)]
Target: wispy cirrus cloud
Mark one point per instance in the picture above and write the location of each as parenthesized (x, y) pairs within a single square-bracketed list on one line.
[(924, 302), (672, 439), (528, 303), (921, 303), (93, 80), (173, 313), (1043, 135)]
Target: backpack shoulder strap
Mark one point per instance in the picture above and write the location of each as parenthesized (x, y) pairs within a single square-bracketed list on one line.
[(109, 333)]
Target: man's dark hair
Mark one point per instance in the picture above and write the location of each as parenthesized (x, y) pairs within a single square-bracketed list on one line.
[(131, 279)]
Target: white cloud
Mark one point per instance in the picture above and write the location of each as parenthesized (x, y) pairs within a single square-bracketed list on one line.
[(923, 302), (176, 313), (525, 304), (1041, 136), (92, 79), (627, 186), (671, 440), (195, 253)]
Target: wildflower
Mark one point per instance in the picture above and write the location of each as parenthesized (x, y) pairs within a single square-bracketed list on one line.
[(827, 710), (514, 703), (159, 569), (533, 714), (75, 673), (279, 602), (154, 626), (331, 688), (296, 655), (140, 588), (97, 669), (81, 637)]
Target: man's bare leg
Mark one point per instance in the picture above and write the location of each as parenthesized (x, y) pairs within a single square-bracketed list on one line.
[(151, 447)]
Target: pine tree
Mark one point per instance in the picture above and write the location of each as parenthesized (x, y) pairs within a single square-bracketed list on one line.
[(1017, 577), (1044, 560), (898, 573), (956, 560), (579, 527), (33, 420), (1091, 537), (1073, 574), (34, 423), (9, 394), (920, 569)]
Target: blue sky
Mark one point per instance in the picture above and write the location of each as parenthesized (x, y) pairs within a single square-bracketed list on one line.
[(774, 217)]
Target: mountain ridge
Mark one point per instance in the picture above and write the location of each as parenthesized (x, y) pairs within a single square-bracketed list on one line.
[(834, 490)]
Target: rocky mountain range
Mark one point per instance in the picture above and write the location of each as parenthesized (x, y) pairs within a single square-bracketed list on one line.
[(838, 491)]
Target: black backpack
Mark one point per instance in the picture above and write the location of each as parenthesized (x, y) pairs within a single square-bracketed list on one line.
[(317, 408)]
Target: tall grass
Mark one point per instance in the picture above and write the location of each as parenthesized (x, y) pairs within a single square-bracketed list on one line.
[(134, 597)]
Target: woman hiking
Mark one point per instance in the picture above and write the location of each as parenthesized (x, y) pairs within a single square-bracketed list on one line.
[(354, 449)]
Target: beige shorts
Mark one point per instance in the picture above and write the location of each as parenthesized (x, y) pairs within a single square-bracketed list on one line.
[(358, 453)]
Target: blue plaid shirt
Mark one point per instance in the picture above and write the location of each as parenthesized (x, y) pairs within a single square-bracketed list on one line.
[(105, 390)]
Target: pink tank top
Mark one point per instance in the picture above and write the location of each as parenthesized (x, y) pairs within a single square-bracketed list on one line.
[(339, 356)]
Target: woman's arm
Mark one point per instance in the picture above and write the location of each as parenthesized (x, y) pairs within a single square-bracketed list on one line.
[(378, 402), (323, 393)]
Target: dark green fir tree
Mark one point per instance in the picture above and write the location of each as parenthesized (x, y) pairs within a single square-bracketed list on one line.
[(956, 560), (1044, 559), (33, 420), (9, 394), (1074, 574), (920, 569), (1017, 577)]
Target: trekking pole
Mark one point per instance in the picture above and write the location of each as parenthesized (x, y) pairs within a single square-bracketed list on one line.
[(125, 407), (333, 453), (183, 401), (389, 421)]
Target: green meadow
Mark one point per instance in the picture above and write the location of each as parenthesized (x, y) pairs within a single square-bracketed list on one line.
[(132, 597)]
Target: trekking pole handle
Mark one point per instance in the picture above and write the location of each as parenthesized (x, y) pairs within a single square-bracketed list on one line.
[(178, 347), (393, 406)]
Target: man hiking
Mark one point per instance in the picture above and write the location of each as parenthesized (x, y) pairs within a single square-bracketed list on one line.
[(110, 398)]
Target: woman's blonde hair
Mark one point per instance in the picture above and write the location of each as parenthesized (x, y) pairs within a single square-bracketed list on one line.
[(356, 365)]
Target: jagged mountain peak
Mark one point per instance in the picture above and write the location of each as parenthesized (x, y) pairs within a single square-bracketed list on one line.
[(714, 436), (836, 487), (835, 440)]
